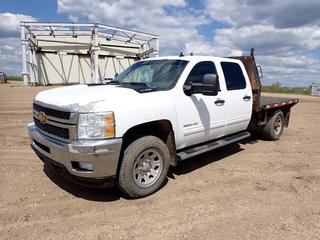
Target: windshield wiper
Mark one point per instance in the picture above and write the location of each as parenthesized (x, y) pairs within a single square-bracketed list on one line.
[(103, 83), (111, 82), (140, 86), (140, 83)]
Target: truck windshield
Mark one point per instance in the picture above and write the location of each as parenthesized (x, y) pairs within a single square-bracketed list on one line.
[(153, 74)]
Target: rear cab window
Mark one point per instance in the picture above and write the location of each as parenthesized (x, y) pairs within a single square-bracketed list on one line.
[(233, 75)]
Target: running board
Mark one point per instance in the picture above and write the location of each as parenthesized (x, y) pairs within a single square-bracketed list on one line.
[(191, 152)]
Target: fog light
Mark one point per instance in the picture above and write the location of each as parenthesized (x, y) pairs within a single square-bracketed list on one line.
[(85, 166)]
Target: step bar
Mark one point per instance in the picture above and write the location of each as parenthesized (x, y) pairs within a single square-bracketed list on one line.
[(191, 152)]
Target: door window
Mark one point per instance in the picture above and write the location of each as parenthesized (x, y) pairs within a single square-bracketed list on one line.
[(199, 70), (233, 76)]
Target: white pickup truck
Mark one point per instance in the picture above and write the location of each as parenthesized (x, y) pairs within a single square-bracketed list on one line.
[(154, 114)]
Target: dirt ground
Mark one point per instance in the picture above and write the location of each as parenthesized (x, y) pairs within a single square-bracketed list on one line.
[(252, 190)]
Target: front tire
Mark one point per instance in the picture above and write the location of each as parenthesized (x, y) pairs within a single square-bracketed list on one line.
[(144, 166)]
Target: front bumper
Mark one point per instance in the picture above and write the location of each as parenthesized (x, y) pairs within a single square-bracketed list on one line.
[(102, 154)]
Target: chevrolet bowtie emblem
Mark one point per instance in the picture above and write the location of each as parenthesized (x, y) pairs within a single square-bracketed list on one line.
[(42, 117)]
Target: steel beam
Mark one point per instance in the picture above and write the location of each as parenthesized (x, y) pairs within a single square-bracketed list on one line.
[(34, 34), (24, 72)]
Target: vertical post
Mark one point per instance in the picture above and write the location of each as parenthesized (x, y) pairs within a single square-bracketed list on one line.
[(96, 66), (24, 72), (95, 55), (35, 67), (157, 47), (32, 75)]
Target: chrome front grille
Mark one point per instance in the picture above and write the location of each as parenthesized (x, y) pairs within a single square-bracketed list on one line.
[(59, 123), (53, 130), (52, 112)]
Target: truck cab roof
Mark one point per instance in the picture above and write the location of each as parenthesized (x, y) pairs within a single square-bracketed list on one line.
[(194, 58)]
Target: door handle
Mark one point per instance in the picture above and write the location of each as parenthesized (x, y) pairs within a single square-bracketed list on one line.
[(246, 98), (219, 101)]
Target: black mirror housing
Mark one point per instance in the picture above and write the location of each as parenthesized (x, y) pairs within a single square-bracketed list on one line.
[(212, 82), (209, 86)]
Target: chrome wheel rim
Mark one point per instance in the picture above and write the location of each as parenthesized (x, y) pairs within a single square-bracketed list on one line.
[(277, 127), (147, 168)]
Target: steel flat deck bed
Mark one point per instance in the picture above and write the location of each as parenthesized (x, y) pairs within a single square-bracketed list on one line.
[(273, 102)]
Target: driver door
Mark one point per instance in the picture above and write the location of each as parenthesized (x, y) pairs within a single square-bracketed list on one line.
[(199, 116)]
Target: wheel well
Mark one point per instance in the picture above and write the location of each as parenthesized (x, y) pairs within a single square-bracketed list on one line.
[(261, 119), (161, 129), (286, 113)]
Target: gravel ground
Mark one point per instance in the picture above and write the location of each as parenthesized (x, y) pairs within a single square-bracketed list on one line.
[(249, 190)]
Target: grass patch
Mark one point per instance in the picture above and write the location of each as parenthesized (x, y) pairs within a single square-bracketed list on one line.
[(14, 78), (276, 88)]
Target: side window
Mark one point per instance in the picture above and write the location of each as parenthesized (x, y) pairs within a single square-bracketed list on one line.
[(199, 70), (233, 76)]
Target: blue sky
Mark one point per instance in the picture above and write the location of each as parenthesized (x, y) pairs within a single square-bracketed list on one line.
[(285, 33), (44, 10)]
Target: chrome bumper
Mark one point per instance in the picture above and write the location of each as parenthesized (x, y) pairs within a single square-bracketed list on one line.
[(102, 154)]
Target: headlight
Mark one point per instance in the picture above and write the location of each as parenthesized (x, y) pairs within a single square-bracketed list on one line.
[(96, 125)]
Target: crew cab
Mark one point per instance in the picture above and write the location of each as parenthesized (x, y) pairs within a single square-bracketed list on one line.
[(154, 114)]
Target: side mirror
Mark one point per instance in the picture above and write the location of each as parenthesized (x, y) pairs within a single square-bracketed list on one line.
[(209, 86), (260, 73)]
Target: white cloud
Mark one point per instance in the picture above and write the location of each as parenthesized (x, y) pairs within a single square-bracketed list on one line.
[(10, 55), (8, 47), (268, 40), (284, 33), (113, 10), (281, 14), (264, 25), (281, 52), (171, 19), (291, 70), (10, 23), (10, 58)]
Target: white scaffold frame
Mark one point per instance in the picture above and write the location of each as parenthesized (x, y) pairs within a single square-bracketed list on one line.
[(315, 89), (30, 32)]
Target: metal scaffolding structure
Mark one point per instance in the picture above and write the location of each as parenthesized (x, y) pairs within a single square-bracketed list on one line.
[(49, 48)]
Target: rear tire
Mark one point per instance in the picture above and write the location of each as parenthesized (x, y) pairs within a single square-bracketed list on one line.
[(274, 128), (144, 167)]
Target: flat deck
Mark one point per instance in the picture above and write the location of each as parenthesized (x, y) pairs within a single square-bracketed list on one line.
[(271, 102)]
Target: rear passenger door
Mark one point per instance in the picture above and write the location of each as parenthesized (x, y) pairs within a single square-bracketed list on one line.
[(238, 105)]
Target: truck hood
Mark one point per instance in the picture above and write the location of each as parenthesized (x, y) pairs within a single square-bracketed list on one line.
[(81, 98)]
